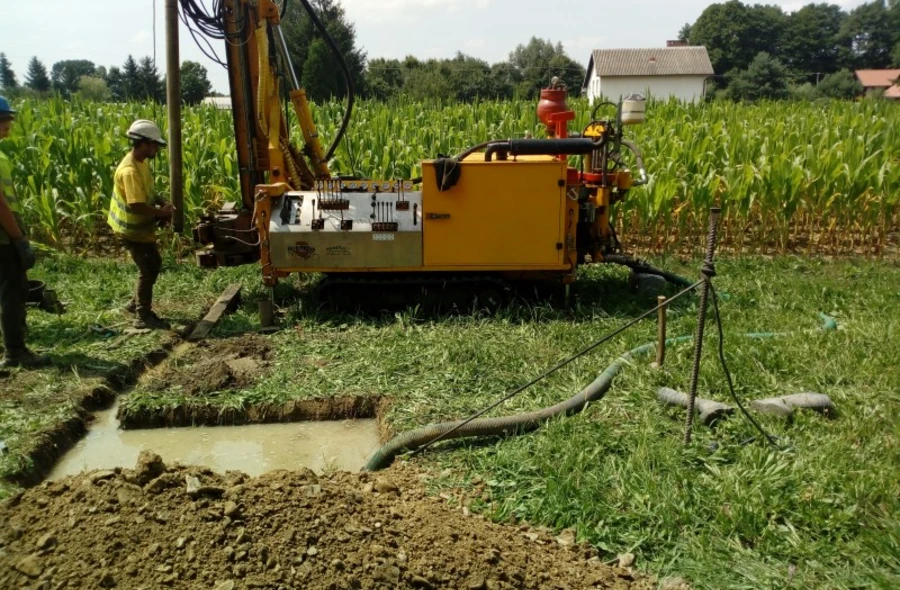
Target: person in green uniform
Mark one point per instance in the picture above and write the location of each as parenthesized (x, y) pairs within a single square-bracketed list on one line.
[(16, 259), (134, 214)]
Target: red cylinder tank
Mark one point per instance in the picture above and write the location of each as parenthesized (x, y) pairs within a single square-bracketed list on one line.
[(553, 100)]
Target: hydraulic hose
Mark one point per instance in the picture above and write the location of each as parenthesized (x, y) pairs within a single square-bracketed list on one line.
[(640, 266), (351, 88), (540, 147), (521, 423), (506, 425)]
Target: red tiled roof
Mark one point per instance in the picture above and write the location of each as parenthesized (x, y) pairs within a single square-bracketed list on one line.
[(892, 92), (877, 78)]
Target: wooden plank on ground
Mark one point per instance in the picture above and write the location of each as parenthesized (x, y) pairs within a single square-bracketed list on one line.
[(226, 301)]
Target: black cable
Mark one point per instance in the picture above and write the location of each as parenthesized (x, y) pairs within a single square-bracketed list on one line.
[(556, 367), (725, 370), (351, 88)]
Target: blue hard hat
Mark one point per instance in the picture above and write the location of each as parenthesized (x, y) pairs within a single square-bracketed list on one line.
[(5, 109)]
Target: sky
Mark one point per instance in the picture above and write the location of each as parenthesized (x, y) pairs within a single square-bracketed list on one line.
[(107, 31)]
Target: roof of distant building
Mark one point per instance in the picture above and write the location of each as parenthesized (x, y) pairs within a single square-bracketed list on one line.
[(692, 60), (877, 78), (220, 102)]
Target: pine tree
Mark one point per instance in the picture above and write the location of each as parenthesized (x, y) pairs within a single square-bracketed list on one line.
[(131, 85), (7, 75), (37, 78), (150, 84)]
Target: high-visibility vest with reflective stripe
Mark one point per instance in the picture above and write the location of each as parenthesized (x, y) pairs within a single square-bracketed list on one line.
[(6, 178), (128, 224), (9, 191)]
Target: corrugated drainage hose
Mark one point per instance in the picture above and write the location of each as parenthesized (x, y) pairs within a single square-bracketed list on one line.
[(521, 423), (639, 266)]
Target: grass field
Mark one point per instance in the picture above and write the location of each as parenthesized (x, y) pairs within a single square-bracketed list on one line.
[(723, 513)]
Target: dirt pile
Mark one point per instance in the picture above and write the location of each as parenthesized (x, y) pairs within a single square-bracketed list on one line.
[(177, 527), (214, 365)]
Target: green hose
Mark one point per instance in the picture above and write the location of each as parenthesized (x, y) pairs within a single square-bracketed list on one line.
[(521, 423)]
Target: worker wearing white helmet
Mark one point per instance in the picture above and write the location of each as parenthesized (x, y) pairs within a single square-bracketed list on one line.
[(16, 258), (134, 213)]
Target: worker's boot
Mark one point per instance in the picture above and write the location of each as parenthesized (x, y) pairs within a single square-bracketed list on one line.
[(26, 359), (149, 320)]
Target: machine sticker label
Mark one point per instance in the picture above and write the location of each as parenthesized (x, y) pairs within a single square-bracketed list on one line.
[(383, 237), (301, 249), (338, 251)]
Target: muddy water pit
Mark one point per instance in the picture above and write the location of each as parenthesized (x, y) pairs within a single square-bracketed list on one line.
[(254, 449)]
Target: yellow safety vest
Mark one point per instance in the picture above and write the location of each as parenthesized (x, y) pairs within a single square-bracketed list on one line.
[(122, 219), (9, 191)]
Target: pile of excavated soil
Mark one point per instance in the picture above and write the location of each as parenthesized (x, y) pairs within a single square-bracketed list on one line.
[(178, 527), (214, 365)]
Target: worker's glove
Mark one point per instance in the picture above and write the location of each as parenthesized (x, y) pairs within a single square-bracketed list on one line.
[(26, 254)]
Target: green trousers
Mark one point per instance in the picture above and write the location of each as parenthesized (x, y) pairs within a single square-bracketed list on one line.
[(146, 257), (13, 297)]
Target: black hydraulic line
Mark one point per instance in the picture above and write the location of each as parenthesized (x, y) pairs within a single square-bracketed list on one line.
[(420, 439), (540, 147), (469, 151), (734, 396), (640, 266), (600, 104), (351, 89)]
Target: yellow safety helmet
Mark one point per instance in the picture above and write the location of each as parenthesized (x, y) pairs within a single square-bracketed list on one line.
[(144, 129)]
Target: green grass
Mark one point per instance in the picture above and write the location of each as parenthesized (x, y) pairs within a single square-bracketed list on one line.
[(87, 343), (822, 514)]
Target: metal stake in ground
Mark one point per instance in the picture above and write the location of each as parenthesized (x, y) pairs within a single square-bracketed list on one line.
[(708, 271)]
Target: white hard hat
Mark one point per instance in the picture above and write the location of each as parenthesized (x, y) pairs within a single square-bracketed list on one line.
[(144, 129)]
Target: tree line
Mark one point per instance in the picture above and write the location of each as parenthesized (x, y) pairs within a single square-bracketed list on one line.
[(136, 80), (759, 51), (463, 78), (529, 68)]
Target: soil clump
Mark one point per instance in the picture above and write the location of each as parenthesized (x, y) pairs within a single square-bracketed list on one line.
[(161, 526), (214, 365)]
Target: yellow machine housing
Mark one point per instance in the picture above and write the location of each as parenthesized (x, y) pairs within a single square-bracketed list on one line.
[(509, 208)]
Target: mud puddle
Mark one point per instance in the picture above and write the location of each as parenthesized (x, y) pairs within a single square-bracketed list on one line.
[(253, 449)]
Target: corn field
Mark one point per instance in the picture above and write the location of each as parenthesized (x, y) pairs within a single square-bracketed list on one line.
[(819, 176)]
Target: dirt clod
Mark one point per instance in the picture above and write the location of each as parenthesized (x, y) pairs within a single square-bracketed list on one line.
[(396, 536), (30, 566), (46, 542), (674, 584), (149, 466), (626, 559), (215, 365)]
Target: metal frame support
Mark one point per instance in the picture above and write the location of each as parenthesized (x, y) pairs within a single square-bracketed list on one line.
[(661, 331), (173, 104), (707, 271)]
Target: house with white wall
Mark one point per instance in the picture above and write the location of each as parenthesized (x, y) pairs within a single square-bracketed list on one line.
[(664, 72)]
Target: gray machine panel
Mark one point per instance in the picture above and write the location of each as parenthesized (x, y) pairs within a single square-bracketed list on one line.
[(382, 233)]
